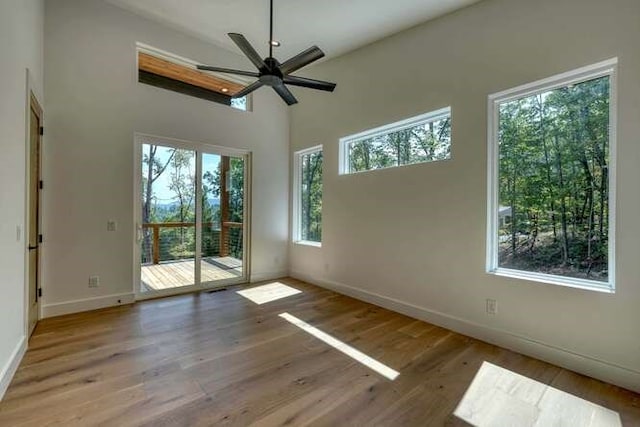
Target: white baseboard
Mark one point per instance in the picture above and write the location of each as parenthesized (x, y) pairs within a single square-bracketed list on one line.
[(584, 364), (10, 368), (86, 304), (269, 275)]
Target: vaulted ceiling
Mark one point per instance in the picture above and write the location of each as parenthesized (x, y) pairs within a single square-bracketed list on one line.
[(336, 26)]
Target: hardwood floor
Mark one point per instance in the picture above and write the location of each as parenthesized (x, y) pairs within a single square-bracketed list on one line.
[(221, 359)]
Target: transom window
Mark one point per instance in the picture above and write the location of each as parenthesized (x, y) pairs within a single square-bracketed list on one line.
[(307, 212), (425, 138), (551, 179)]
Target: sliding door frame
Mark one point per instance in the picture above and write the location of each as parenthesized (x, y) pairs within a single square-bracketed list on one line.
[(199, 148)]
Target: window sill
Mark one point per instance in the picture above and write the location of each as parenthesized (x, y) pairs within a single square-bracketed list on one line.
[(308, 243), (570, 282)]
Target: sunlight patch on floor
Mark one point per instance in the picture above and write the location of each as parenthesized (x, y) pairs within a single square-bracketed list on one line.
[(500, 397), (359, 356), (267, 293)]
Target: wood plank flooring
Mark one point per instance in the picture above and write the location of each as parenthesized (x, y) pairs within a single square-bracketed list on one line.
[(219, 359)]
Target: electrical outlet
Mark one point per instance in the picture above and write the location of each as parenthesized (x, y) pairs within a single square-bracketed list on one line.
[(112, 225), (492, 306), (94, 281)]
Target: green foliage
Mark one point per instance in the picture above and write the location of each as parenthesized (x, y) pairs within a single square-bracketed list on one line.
[(178, 166), (182, 181), (553, 174), (211, 189), (422, 143), (311, 197)]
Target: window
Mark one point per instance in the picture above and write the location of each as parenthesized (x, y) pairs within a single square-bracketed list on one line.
[(425, 138), (552, 179), (240, 103), (307, 200), (168, 71)]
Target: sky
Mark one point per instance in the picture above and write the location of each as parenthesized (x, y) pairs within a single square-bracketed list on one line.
[(210, 162)]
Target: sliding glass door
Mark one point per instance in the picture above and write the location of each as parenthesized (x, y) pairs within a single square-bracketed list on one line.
[(190, 216), (222, 218)]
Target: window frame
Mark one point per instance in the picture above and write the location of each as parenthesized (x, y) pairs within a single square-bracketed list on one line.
[(297, 195), (601, 69), (345, 142)]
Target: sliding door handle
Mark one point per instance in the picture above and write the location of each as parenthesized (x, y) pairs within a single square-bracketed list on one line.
[(31, 248), (139, 233)]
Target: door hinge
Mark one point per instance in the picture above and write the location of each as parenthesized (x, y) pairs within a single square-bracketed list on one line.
[(39, 238), (41, 130), (41, 185), (39, 292)]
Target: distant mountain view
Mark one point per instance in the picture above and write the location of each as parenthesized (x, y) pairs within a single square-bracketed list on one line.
[(168, 206)]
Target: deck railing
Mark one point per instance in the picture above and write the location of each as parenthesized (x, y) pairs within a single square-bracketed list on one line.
[(226, 236)]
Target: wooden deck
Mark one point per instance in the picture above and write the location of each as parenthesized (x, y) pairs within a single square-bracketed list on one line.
[(179, 273)]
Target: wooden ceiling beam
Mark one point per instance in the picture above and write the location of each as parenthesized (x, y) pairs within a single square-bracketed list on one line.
[(193, 77)]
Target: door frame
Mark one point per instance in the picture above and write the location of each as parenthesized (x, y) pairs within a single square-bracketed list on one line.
[(32, 103), (200, 147)]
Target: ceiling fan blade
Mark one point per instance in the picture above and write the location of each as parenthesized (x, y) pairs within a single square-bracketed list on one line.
[(247, 90), (300, 60), (285, 94), (248, 50), (228, 71), (309, 83)]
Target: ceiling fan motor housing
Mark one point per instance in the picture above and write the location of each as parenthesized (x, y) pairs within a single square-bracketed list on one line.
[(271, 75)]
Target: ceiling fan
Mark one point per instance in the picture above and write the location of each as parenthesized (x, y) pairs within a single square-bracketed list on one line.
[(271, 72)]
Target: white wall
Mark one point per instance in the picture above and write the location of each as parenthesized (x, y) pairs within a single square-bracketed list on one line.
[(21, 26), (414, 237), (94, 106)]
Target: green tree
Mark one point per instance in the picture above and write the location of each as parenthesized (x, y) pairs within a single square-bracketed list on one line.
[(311, 197), (553, 174), (421, 143), (182, 183), (153, 168), (235, 192)]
